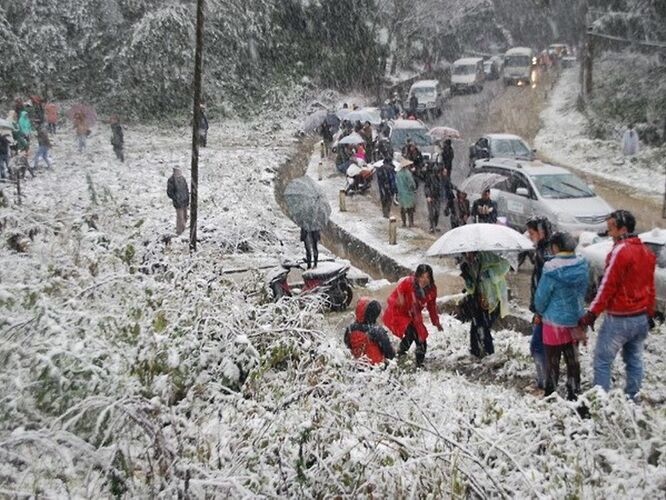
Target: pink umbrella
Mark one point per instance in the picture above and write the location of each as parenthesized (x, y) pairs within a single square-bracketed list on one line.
[(88, 113), (442, 133)]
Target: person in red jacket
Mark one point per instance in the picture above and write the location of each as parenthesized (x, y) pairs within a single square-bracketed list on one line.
[(403, 315), (627, 295), (365, 338)]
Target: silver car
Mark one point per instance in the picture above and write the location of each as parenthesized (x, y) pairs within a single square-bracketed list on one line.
[(533, 188)]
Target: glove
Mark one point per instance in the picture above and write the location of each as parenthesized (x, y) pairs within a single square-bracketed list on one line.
[(536, 320), (651, 323), (588, 319)]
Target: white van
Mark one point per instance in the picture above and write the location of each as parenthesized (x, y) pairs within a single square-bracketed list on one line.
[(430, 97), (518, 65), (467, 75)]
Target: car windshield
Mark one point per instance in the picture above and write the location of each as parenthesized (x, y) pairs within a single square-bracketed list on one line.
[(419, 136), (520, 61), (464, 69), (562, 186), (512, 148)]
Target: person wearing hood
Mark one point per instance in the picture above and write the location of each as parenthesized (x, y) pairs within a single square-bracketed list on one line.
[(179, 194), (539, 230), (24, 124), (630, 141), (404, 316), (485, 283), (559, 300), (365, 338), (627, 295), (406, 187)]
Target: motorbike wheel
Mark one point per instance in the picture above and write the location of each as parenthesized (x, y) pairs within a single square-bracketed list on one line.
[(341, 297)]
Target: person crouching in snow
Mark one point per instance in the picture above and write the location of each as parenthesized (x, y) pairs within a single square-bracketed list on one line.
[(365, 338), (180, 196), (403, 315), (559, 300)]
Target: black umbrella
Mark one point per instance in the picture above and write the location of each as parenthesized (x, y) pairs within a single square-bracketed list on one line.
[(306, 203)]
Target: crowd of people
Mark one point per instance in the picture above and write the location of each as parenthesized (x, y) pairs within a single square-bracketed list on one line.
[(28, 138), (559, 287)]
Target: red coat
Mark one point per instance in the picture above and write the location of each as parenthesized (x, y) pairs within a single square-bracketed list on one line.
[(404, 308), (627, 287)]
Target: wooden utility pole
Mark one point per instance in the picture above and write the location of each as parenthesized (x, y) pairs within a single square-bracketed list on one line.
[(196, 119), (589, 62)]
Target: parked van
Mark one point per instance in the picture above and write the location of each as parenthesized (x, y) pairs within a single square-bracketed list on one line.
[(467, 75), (518, 65), (430, 97)]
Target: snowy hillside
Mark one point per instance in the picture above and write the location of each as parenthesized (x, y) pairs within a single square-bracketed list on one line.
[(132, 368)]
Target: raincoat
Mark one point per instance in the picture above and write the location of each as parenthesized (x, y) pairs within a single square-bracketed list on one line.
[(560, 295), (25, 127), (51, 113), (489, 271), (406, 188), (630, 142), (405, 305)]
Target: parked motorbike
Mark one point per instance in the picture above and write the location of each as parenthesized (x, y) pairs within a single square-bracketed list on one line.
[(329, 279), (359, 178)]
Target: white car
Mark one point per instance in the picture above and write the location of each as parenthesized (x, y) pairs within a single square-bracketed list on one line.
[(532, 188), (430, 97), (414, 130), (595, 249), (467, 75)]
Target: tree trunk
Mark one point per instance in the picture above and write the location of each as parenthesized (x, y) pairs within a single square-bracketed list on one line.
[(194, 182)]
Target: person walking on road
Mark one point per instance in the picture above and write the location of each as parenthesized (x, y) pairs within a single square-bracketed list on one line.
[(44, 144), (446, 157), (310, 240), (117, 138), (539, 230), (365, 338), (559, 300), (403, 314), (484, 209), (406, 193), (459, 210), (432, 190), (627, 295), (386, 186), (179, 194)]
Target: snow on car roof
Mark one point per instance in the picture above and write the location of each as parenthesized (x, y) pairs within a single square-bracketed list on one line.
[(504, 136), (465, 61), (518, 51), (407, 124), (656, 236), (425, 83), (534, 167)]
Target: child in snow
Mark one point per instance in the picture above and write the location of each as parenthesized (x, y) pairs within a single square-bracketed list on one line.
[(365, 338)]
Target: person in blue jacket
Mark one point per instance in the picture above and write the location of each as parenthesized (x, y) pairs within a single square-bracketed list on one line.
[(560, 301)]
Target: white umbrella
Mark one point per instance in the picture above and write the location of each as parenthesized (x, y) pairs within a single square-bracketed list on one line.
[(362, 116), (352, 139), (479, 238), (478, 183)]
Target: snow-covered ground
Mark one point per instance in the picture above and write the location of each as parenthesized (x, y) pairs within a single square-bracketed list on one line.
[(563, 139), (133, 368)]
